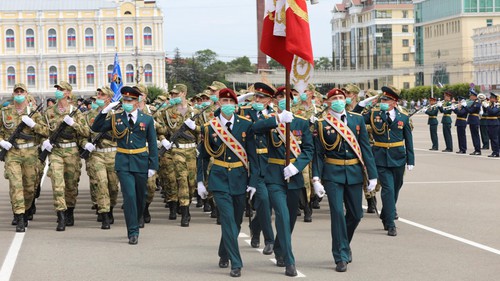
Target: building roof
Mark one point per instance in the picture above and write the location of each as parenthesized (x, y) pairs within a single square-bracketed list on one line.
[(340, 7), (55, 5)]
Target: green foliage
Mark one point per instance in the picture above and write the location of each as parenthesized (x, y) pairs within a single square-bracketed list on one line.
[(420, 92), (154, 91)]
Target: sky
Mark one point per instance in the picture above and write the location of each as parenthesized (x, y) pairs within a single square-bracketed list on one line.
[(229, 28)]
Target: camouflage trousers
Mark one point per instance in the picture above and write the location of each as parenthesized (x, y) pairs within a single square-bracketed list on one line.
[(39, 175), (307, 174), (167, 175), (184, 160), (92, 182), (102, 175), (151, 188), (64, 172), (21, 171)]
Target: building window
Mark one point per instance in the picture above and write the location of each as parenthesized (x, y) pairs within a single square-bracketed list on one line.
[(110, 37), (470, 6), (383, 14), (405, 28), (486, 6), (72, 75), (9, 39), (405, 14), (406, 85), (90, 75), (489, 22), (53, 75), (89, 38), (148, 73), (130, 73), (11, 76), (30, 38), (52, 38), (129, 37), (147, 36), (497, 5), (406, 42), (110, 73), (31, 76), (406, 57), (71, 38)]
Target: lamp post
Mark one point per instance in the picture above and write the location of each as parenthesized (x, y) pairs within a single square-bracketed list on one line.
[(139, 68)]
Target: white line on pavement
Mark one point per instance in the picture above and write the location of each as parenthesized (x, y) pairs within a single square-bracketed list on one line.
[(448, 182), (10, 259)]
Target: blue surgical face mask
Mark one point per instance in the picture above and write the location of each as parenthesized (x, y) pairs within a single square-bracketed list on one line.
[(59, 94), (325, 104), (282, 104), (384, 106), (139, 99), (258, 106), (338, 105), (165, 104), (205, 103), (128, 107), (99, 102), (19, 99), (214, 98), (197, 106), (228, 109), (348, 100), (295, 100), (175, 101), (313, 101), (303, 96), (94, 105)]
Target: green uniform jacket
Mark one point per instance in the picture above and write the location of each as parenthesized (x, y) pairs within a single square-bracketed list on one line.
[(433, 113), (276, 149), (235, 180), (330, 144), (107, 140), (446, 119), (398, 131), (136, 137)]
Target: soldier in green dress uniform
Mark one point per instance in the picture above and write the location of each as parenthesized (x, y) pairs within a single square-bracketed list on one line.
[(445, 108), (432, 121)]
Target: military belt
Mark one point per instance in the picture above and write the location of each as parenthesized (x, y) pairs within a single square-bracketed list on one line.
[(342, 162), (461, 118), (491, 118), (25, 145), (279, 161), (389, 144), (432, 116), (474, 114), (108, 149), (131, 151), (262, 150), (228, 165), (446, 114), (185, 145), (67, 144)]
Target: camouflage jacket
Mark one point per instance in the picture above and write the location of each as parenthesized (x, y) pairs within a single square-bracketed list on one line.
[(11, 118), (78, 133)]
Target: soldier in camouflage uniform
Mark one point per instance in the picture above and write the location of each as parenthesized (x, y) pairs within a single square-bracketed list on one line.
[(65, 163), (101, 163), (307, 109), (184, 155), (22, 156)]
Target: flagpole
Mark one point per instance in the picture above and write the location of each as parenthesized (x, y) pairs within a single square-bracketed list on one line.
[(287, 125)]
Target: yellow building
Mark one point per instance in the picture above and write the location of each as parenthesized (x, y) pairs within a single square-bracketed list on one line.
[(49, 41)]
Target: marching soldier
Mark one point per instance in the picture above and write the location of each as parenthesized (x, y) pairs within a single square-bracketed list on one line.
[(343, 156), (473, 108), (392, 149), (230, 140), (22, 155), (432, 121), (135, 161), (483, 129), (285, 183), (444, 107), (101, 162), (65, 163), (492, 110), (351, 96), (461, 124), (260, 109)]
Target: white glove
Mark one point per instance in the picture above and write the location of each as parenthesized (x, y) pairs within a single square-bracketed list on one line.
[(69, 120), (453, 107), (410, 167), (151, 173), (5, 144), (486, 103), (371, 185), (89, 146), (285, 117), (109, 107), (190, 123), (252, 191), (313, 119), (463, 103), (319, 189), (440, 104), (290, 171), (46, 145), (364, 102), (202, 190), (166, 144), (28, 121)]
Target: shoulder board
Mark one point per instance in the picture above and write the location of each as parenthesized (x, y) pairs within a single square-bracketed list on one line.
[(404, 113), (300, 117), (245, 107), (245, 118), (354, 113)]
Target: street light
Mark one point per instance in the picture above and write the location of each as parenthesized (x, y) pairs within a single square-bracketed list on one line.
[(139, 69)]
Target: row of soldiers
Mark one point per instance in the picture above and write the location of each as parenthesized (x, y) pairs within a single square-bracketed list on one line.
[(122, 145), (483, 118)]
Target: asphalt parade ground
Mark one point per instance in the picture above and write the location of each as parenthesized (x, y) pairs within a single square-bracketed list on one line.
[(449, 229)]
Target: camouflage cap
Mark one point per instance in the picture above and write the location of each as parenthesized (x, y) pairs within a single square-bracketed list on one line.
[(161, 98), (205, 93), (106, 90), (64, 85), (178, 88), (351, 88), (216, 85), (370, 93), (142, 88), (20, 86)]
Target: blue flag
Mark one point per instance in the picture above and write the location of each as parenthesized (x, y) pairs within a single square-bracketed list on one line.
[(116, 80)]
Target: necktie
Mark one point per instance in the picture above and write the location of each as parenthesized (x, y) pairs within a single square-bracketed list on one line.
[(259, 114), (389, 120), (130, 120), (342, 117), (228, 125)]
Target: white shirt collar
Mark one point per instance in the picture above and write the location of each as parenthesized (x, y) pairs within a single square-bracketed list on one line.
[(339, 115), (392, 114), (134, 115), (224, 120)]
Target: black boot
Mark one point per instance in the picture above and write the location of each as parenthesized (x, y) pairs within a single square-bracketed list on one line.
[(99, 217), (206, 206), (185, 216), (147, 215), (173, 210), (372, 204), (105, 221), (20, 227), (315, 203), (70, 219), (28, 215), (61, 221), (110, 215), (199, 201), (213, 212), (33, 209), (14, 220), (307, 212)]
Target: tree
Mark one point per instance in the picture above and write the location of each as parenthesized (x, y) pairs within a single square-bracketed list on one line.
[(240, 65), (323, 63), (206, 57)]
